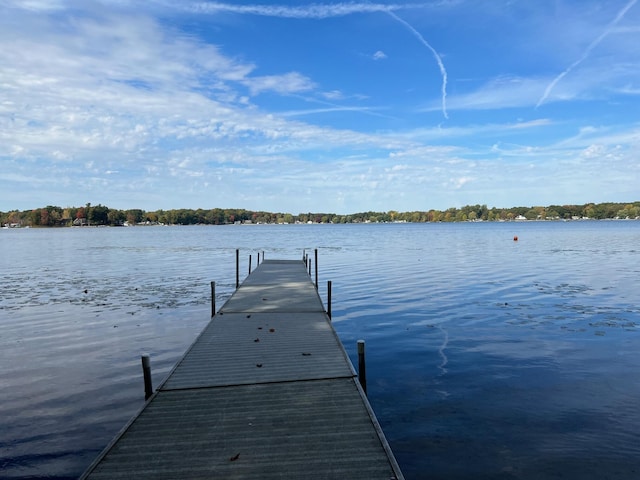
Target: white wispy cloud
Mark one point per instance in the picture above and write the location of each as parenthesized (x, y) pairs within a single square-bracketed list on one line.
[(38, 5), (426, 151), (498, 93), (317, 11), (455, 134), (292, 82), (629, 89), (512, 92), (315, 111), (379, 55), (459, 182), (118, 89), (539, 122)]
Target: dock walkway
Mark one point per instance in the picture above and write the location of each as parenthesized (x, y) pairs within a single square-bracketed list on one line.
[(266, 391)]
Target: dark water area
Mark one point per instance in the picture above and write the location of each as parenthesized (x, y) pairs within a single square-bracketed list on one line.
[(486, 357)]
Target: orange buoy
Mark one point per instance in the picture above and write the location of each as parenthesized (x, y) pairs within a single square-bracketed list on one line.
[(515, 239)]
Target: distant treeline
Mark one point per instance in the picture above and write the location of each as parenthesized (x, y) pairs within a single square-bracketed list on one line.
[(94, 215)]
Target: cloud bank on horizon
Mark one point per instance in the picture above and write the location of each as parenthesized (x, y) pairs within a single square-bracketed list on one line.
[(335, 107)]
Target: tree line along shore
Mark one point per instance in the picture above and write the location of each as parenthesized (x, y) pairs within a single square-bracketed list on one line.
[(100, 215)]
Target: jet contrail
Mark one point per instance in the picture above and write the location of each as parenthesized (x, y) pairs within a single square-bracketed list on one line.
[(587, 52), (443, 71)]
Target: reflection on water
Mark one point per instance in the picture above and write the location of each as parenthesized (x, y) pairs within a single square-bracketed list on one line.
[(488, 358)]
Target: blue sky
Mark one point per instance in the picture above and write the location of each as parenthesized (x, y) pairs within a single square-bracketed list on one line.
[(334, 107)]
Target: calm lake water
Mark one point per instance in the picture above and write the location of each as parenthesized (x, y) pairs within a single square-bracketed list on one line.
[(487, 358)]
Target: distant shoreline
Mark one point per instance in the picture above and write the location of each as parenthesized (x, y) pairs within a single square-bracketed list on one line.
[(100, 215), (250, 224)]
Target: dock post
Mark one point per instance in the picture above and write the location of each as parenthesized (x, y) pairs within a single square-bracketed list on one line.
[(316, 261), (258, 262), (146, 371), (249, 264), (237, 268), (213, 298), (310, 262), (362, 367), (329, 299)]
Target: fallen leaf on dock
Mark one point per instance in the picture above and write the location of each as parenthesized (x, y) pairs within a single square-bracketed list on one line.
[(235, 457)]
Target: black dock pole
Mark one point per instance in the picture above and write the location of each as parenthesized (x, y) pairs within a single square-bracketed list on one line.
[(329, 299), (146, 372), (316, 260), (237, 268), (213, 298), (362, 366)]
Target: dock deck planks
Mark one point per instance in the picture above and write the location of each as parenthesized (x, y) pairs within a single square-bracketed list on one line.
[(266, 391)]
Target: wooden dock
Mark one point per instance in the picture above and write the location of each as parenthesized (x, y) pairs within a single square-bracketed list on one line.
[(266, 391)]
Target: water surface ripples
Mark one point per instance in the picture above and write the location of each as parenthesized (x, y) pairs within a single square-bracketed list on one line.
[(487, 358)]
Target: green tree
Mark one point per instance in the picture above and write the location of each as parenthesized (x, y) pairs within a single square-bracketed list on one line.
[(99, 215), (134, 216), (116, 217)]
